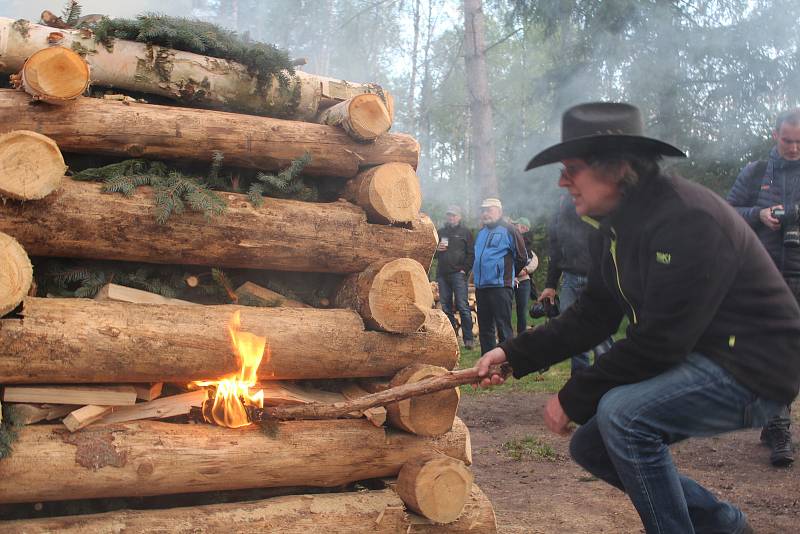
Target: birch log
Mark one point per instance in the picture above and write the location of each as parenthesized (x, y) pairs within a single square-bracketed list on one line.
[(133, 130), (154, 458), (182, 76), (378, 511), (55, 75), (16, 274), (85, 341), (79, 221)]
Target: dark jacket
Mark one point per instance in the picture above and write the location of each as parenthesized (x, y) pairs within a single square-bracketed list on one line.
[(690, 275), (499, 255), (460, 251), (754, 191), (568, 243)]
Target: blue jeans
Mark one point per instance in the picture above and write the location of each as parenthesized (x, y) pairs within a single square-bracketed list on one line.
[(626, 443), (572, 285), (494, 316), (455, 284), (522, 294)]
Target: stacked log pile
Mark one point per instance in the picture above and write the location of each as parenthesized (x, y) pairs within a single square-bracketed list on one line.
[(110, 398)]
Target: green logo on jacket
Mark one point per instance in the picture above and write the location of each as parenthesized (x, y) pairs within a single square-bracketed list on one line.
[(663, 257)]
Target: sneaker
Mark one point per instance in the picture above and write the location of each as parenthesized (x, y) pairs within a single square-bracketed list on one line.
[(778, 437), (469, 344)]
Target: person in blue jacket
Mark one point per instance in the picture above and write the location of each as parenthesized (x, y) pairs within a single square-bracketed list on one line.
[(499, 256)]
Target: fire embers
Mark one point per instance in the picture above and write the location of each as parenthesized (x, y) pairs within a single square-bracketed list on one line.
[(232, 393)]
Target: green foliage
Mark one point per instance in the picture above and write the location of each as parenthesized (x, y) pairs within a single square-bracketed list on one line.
[(530, 446), (84, 281), (287, 184), (263, 61), (71, 13), (9, 430)]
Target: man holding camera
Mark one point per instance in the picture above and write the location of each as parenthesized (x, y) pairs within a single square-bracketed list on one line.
[(766, 193)]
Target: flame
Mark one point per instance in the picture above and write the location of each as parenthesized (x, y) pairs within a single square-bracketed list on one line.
[(233, 392)]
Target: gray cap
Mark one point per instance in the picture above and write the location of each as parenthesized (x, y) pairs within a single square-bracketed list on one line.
[(455, 210)]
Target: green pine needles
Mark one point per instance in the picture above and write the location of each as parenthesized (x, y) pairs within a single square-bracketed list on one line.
[(287, 184), (9, 430), (85, 281), (71, 13), (263, 61)]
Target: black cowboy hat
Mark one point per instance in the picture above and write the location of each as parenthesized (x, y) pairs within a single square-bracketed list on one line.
[(600, 127)]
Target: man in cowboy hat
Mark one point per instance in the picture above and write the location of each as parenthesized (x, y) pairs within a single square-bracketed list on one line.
[(714, 338)]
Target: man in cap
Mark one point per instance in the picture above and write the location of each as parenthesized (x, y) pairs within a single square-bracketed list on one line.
[(763, 189), (523, 285), (714, 338), (499, 255), (455, 255)]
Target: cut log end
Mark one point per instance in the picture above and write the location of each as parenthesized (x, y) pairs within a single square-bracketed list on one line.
[(426, 415), (55, 75), (389, 193), (435, 486), (369, 116), (16, 274), (31, 165)]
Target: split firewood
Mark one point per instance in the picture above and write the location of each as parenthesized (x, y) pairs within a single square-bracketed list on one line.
[(435, 486), (154, 458), (364, 117), (97, 126), (148, 392), (137, 296), (281, 393), (55, 75), (16, 274), (392, 296), (255, 291), (389, 193), (449, 380), (173, 405), (176, 74), (426, 415), (376, 415), (85, 416), (83, 395), (31, 165), (281, 235), (27, 414)]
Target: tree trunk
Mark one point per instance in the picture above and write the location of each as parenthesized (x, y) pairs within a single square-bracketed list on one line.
[(378, 511), (97, 341), (16, 274), (31, 165), (364, 117), (55, 75), (480, 104), (392, 296), (183, 76), (389, 193), (80, 221), (154, 458), (98, 126), (435, 486)]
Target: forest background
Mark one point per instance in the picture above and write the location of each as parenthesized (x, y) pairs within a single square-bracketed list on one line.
[(710, 75)]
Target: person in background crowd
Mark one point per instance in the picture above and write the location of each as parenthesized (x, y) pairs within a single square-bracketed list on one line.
[(762, 191), (524, 284), (568, 237), (713, 343), (499, 255), (455, 255)]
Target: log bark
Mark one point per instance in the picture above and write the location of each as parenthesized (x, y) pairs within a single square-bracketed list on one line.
[(55, 75), (80, 221), (153, 458), (392, 296), (182, 76), (364, 117), (378, 511), (31, 165), (426, 415), (16, 273), (95, 341), (133, 130), (435, 486), (389, 193)]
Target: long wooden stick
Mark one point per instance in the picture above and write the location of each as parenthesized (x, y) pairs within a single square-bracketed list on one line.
[(317, 410)]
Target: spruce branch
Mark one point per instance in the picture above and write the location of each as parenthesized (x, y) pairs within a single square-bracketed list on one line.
[(71, 13)]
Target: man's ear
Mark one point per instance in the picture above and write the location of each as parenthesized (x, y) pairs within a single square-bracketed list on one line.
[(775, 135)]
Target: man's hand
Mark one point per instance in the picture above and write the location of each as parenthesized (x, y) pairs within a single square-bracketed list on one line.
[(554, 416), (547, 293), (496, 356), (769, 221)]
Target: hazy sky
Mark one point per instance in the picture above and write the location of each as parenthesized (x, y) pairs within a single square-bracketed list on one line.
[(32, 9)]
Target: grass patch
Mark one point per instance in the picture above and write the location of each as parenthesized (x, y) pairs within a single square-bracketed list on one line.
[(531, 447)]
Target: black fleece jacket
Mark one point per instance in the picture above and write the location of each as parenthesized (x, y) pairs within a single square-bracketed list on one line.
[(691, 275)]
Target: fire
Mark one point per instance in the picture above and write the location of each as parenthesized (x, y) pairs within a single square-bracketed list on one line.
[(233, 392)]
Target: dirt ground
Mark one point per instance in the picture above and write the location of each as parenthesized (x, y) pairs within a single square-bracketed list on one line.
[(545, 492)]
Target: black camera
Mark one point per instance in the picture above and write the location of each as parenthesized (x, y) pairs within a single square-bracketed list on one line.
[(790, 222), (545, 309)]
